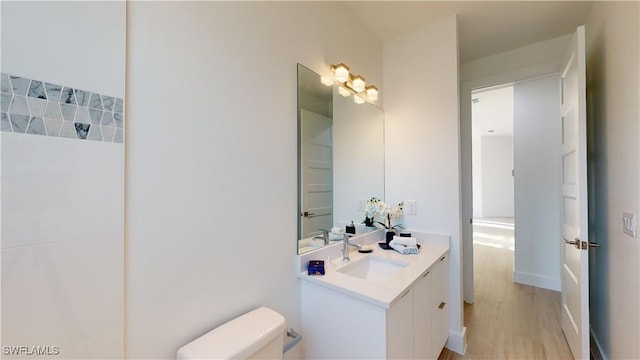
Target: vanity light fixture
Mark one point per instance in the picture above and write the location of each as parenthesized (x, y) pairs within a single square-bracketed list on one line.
[(341, 72), (372, 92), (327, 81), (357, 83), (343, 91), (350, 84)]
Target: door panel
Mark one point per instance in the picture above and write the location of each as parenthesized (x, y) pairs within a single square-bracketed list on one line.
[(575, 267), (317, 173)]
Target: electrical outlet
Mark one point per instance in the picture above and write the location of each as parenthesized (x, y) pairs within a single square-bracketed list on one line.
[(362, 204), (410, 207), (629, 223)]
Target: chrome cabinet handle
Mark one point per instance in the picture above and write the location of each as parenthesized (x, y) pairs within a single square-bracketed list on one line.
[(405, 294)]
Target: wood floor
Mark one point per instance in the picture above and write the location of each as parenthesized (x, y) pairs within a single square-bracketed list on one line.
[(509, 320)]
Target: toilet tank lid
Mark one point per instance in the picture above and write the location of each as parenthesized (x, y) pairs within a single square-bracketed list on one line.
[(238, 338)]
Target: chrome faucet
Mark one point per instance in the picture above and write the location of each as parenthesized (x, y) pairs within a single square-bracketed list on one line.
[(346, 244), (324, 237)]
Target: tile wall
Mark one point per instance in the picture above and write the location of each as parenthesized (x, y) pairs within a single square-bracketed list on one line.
[(62, 227), (40, 108)]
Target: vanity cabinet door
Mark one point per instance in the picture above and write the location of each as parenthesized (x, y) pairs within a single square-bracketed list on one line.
[(440, 306), (422, 314), (400, 328)]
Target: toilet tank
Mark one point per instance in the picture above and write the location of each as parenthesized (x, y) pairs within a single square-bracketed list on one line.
[(258, 334)]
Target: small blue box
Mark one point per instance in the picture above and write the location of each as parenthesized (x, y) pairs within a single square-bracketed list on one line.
[(315, 267)]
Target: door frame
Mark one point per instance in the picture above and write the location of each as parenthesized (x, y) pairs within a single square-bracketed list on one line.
[(466, 211)]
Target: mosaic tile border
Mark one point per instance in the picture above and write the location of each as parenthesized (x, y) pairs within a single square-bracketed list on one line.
[(40, 108)]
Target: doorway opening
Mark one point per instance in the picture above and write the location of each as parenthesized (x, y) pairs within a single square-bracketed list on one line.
[(492, 167), (515, 308), (516, 175)]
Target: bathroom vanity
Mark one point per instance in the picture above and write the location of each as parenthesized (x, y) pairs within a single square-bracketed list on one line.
[(381, 305)]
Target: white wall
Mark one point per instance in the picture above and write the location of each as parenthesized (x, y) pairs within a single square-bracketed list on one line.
[(211, 158), (477, 172), (421, 141), (537, 138), (613, 113), (62, 245), (62, 198), (76, 43), (497, 181), (518, 64), (528, 62)]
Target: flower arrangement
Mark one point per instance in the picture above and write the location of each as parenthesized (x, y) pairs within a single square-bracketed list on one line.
[(376, 207)]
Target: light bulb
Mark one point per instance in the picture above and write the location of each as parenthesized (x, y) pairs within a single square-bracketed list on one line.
[(357, 83), (327, 81), (344, 92), (372, 92), (357, 99), (341, 72)]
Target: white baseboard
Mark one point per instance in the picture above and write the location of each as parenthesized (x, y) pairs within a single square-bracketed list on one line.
[(540, 281), (596, 348), (457, 342)]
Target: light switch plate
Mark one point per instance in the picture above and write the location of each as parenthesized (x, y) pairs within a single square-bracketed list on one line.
[(410, 207), (629, 223), (362, 204)]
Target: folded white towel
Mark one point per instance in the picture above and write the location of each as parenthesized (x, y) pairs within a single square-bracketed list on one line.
[(411, 250), (337, 230), (403, 249), (335, 237), (407, 241)]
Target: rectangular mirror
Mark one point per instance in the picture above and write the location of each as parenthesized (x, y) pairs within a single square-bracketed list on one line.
[(340, 159)]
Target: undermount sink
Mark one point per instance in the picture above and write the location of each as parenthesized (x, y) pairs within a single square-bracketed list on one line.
[(373, 268)]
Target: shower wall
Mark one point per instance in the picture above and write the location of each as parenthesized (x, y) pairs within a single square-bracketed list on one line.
[(62, 179)]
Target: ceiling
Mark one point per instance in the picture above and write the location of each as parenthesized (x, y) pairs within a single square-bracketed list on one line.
[(492, 111), (485, 27)]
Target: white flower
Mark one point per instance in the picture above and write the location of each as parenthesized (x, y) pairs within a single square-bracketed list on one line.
[(371, 209), (376, 208), (396, 212)]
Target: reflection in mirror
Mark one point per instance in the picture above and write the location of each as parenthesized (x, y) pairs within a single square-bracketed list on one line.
[(340, 160)]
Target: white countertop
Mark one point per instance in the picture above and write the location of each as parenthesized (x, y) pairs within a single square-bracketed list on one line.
[(385, 293)]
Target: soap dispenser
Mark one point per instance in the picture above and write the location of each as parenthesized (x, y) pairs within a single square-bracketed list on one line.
[(351, 229)]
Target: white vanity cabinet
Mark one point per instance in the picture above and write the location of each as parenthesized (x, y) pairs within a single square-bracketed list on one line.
[(422, 315), (431, 311), (339, 325), (439, 306)]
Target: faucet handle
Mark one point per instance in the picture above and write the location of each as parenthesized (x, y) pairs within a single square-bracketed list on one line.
[(347, 235)]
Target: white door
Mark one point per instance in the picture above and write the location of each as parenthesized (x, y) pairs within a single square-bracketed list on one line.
[(575, 267), (317, 173)]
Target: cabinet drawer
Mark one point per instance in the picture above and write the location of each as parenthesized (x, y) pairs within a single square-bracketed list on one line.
[(439, 330), (422, 314), (440, 282)]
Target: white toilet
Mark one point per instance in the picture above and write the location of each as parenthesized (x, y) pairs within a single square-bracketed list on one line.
[(258, 334)]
